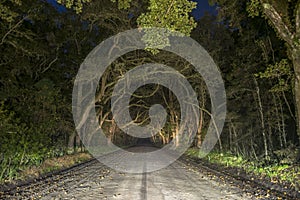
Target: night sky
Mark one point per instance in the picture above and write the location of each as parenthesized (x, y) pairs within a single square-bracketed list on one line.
[(202, 7)]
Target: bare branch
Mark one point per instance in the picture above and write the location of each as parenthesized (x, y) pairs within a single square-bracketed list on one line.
[(50, 64), (12, 29), (147, 96)]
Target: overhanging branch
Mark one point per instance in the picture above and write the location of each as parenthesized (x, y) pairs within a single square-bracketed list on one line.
[(277, 21)]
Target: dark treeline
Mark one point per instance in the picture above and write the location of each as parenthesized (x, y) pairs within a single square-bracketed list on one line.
[(42, 48)]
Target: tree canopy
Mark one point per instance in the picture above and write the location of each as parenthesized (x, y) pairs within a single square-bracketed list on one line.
[(254, 43)]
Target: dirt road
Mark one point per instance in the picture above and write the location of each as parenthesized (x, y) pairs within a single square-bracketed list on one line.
[(178, 181)]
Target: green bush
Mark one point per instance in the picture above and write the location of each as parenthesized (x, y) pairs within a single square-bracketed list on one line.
[(22, 146)]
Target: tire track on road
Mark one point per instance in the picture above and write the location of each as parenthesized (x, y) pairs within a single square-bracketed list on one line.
[(144, 183)]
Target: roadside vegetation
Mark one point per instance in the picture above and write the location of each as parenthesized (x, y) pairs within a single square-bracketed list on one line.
[(34, 170), (284, 174), (52, 164)]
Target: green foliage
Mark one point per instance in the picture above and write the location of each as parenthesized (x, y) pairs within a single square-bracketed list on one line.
[(277, 172), (173, 15), (260, 52), (6, 13), (12, 131), (169, 14), (22, 145), (226, 159), (155, 39), (286, 155), (35, 111), (253, 8), (13, 143), (282, 72), (77, 5), (123, 4)]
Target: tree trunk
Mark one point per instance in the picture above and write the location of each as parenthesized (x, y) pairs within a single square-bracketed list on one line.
[(262, 120), (230, 138), (71, 143), (163, 138), (112, 129), (283, 131), (199, 131), (296, 64), (278, 120), (292, 39)]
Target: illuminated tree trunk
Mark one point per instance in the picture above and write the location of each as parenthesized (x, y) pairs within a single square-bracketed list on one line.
[(112, 131), (261, 114), (163, 138), (199, 131)]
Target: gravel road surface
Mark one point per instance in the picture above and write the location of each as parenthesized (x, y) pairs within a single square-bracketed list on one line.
[(178, 181)]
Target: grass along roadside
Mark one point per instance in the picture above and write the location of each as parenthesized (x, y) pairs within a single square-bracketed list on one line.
[(54, 164), (283, 174), (48, 165), (51, 164)]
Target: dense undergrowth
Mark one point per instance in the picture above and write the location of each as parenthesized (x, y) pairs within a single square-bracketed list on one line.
[(26, 144), (276, 172)]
